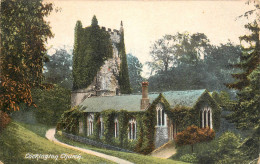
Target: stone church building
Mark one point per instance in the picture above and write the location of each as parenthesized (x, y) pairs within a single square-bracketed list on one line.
[(104, 94)]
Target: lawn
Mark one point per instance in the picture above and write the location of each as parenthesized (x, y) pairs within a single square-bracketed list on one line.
[(132, 157), (17, 140)]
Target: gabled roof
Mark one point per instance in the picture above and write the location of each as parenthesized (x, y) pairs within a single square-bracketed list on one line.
[(132, 102)]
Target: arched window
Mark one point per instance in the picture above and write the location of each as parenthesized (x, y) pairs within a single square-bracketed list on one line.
[(90, 123), (206, 119), (116, 127), (132, 129), (161, 116)]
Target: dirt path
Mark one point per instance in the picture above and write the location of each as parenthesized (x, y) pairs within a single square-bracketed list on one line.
[(50, 136), (165, 151)]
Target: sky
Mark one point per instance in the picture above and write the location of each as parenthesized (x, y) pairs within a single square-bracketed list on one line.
[(147, 21)]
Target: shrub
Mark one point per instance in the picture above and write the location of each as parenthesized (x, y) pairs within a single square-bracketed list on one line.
[(223, 150), (193, 135), (189, 158), (4, 120)]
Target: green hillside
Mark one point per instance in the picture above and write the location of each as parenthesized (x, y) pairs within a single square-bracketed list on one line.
[(17, 142)]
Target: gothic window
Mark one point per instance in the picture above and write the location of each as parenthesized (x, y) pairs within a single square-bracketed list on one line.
[(90, 123), (132, 129), (206, 117), (116, 127), (161, 116)]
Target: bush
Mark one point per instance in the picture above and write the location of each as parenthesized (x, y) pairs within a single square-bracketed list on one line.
[(223, 150), (51, 104), (193, 135), (4, 120), (189, 158)]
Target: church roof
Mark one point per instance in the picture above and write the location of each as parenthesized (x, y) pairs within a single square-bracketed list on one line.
[(132, 102)]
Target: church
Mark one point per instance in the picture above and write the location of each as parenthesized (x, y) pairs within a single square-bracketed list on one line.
[(137, 122)]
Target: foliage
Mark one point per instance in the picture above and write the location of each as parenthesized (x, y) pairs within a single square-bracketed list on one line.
[(108, 119), (182, 116), (245, 112), (58, 69), (23, 34), (191, 158), (4, 120), (97, 126), (210, 70), (123, 119), (134, 70), (250, 146), (92, 47), (224, 149), (145, 143), (51, 104), (124, 82), (174, 50), (193, 135), (69, 120)]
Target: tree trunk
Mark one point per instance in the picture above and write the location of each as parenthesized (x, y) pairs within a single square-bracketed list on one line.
[(191, 148)]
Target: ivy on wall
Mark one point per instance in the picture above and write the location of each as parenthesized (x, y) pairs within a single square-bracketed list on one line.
[(69, 120), (146, 122), (92, 46), (97, 126)]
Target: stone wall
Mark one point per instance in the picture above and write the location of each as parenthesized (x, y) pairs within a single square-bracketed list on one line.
[(93, 143), (161, 135)]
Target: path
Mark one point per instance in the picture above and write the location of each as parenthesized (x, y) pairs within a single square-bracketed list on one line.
[(165, 151), (50, 136)]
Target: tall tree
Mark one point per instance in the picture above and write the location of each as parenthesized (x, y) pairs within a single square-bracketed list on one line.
[(173, 50), (23, 34), (124, 82), (246, 111), (134, 69), (76, 58), (58, 69), (162, 53)]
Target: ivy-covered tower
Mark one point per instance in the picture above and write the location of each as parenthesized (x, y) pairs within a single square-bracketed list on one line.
[(99, 62)]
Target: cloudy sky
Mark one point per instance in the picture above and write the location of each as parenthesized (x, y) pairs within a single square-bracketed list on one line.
[(146, 21)]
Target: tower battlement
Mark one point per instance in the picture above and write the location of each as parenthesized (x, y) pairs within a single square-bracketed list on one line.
[(114, 34)]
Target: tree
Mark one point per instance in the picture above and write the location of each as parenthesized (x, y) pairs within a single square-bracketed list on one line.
[(23, 34), (94, 21), (193, 135), (124, 82), (246, 111), (134, 69), (173, 50), (162, 53), (58, 69), (76, 56), (51, 104)]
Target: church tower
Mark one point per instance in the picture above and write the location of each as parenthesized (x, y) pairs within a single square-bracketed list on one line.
[(106, 81)]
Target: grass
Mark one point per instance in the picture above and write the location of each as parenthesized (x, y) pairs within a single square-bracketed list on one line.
[(16, 141), (39, 129), (132, 157)]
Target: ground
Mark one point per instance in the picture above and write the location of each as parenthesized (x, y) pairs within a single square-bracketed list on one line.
[(16, 141), (19, 139)]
